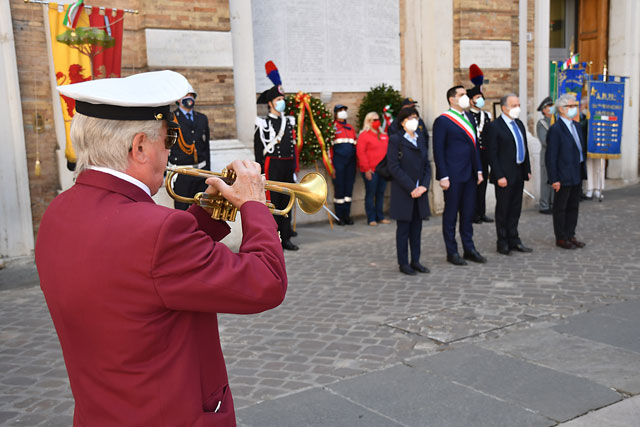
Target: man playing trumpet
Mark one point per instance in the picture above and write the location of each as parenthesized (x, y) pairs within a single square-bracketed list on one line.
[(133, 287)]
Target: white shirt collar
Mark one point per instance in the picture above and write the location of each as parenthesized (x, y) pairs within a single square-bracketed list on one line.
[(123, 176), (568, 123), (506, 119)]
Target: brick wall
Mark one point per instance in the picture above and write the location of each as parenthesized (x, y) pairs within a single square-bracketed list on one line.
[(215, 87)]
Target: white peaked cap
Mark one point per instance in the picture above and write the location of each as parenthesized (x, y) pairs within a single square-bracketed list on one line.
[(144, 96)]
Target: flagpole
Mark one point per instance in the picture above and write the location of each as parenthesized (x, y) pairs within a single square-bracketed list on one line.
[(135, 12)]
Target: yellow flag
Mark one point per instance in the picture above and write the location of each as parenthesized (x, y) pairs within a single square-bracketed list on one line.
[(70, 64)]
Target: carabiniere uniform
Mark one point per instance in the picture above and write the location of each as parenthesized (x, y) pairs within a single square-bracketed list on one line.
[(274, 146), (192, 150), (481, 119)]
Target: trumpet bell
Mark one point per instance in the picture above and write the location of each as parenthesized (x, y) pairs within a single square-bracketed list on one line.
[(311, 193)]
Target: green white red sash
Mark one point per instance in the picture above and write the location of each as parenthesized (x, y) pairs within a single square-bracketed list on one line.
[(462, 122)]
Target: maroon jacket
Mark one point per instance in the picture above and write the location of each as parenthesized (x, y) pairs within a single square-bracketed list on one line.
[(133, 289)]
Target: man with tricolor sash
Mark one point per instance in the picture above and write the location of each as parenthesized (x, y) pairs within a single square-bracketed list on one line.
[(459, 171)]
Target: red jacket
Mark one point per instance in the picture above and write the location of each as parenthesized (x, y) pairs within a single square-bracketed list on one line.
[(371, 149), (133, 289)]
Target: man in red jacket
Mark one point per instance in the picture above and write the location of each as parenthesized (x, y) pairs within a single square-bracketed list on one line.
[(133, 287)]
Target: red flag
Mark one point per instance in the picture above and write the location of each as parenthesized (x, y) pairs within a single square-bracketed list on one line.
[(108, 62)]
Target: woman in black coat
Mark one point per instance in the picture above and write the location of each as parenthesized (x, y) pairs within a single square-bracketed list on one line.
[(408, 162)]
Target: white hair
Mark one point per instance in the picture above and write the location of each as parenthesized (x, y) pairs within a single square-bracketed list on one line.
[(565, 99), (102, 142)]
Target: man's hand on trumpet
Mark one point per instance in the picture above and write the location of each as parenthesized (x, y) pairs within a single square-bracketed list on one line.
[(248, 186)]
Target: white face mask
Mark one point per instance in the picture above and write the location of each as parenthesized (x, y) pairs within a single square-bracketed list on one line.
[(463, 102), (514, 112), (342, 115), (411, 125)]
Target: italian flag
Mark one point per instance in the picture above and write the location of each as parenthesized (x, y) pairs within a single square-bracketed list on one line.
[(573, 60), (606, 118), (73, 14)]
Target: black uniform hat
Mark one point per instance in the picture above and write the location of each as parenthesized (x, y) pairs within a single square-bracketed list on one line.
[(476, 90), (339, 107), (544, 103), (409, 101), (144, 96)]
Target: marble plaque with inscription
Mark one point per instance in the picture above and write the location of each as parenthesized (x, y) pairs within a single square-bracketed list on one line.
[(328, 45), (183, 48), (485, 53)]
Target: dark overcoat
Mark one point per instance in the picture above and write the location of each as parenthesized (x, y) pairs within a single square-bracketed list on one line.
[(410, 167)]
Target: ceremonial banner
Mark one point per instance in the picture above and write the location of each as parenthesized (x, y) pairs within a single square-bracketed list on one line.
[(83, 47), (571, 81), (606, 105)]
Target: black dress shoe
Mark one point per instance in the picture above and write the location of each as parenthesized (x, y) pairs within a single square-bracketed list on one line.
[(404, 268), (474, 256), (477, 220), (294, 233), (504, 250), (419, 267), (289, 246), (565, 244), (577, 243), (521, 248), (339, 222), (546, 211), (455, 259), (348, 221), (485, 218)]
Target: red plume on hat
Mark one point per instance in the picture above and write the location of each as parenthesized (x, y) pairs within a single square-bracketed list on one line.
[(475, 74), (272, 73)]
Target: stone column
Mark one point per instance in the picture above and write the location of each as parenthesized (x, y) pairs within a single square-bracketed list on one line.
[(541, 54), (244, 80), (16, 227), (624, 60), (428, 61)]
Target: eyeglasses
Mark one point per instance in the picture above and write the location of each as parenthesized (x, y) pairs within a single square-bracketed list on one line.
[(171, 138), (572, 105)]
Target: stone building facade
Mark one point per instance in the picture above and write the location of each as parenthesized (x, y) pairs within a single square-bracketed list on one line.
[(431, 33)]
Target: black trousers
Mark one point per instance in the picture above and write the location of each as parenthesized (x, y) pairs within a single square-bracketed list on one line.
[(280, 170), (409, 231), (565, 211), (508, 209), (481, 205), (187, 186), (459, 199)]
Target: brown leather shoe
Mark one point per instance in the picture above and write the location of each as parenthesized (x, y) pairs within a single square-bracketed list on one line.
[(565, 244), (577, 243)]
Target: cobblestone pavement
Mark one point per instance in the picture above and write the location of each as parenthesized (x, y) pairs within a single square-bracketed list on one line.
[(349, 311)]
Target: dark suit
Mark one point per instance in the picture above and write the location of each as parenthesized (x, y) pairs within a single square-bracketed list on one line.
[(565, 166), (410, 168), (503, 160), (195, 137), (456, 157)]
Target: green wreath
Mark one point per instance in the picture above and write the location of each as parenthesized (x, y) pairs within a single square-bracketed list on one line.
[(311, 151), (376, 99)]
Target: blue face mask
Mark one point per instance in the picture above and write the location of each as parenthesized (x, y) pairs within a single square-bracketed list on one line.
[(480, 102), (280, 106), (552, 110), (572, 112)]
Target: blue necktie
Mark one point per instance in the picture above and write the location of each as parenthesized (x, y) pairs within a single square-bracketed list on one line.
[(190, 116), (520, 154), (574, 132)]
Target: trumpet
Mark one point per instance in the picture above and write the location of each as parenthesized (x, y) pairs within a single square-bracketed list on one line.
[(311, 192)]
